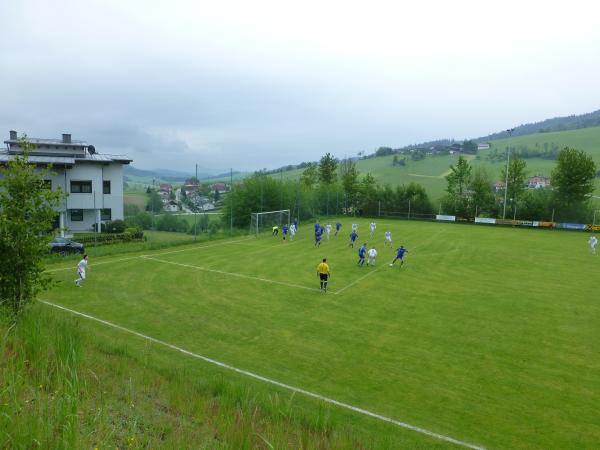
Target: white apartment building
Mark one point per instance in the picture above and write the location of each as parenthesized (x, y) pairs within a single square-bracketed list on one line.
[(93, 182)]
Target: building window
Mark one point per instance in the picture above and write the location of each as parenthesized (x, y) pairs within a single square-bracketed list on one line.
[(106, 186), (81, 187), (105, 214), (77, 215), (47, 184)]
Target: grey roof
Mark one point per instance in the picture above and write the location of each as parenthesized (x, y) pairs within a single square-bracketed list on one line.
[(105, 158)]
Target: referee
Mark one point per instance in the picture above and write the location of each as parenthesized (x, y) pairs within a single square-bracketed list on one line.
[(323, 274)]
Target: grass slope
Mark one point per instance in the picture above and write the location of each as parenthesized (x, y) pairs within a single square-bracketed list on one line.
[(66, 384), (486, 334), (431, 171)]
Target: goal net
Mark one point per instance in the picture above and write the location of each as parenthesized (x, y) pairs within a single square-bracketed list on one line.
[(265, 221)]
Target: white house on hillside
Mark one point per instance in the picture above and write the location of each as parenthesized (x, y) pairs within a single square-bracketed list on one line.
[(93, 182)]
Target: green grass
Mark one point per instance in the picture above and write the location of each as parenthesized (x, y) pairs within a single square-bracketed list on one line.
[(63, 387), (486, 334), (587, 139), (153, 240)]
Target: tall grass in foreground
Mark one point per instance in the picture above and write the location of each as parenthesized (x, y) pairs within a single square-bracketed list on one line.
[(39, 383), (62, 387)]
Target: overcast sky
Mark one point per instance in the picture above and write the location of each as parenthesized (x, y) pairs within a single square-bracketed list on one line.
[(253, 84)]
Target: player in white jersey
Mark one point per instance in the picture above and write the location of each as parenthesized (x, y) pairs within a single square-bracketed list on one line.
[(372, 254), (593, 242), (328, 230), (292, 231), (355, 227), (81, 268), (387, 239), (372, 227)]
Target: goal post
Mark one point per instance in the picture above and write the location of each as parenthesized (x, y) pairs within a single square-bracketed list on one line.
[(265, 221)]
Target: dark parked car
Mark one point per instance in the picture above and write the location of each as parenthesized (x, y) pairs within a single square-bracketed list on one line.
[(64, 246)]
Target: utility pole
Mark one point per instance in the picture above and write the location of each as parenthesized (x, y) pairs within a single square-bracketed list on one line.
[(510, 132), (152, 201), (231, 201), (196, 213)]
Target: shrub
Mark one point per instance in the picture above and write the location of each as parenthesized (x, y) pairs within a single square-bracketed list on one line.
[(135, 232), (115, 226), (213, 228), (170, 222), (142, 220)]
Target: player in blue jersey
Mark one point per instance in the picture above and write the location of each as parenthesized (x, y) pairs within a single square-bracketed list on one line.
[(318, 236), (353, 237), (399, 255), (317, 226), (284, 231), (338, 227), (362, 251)]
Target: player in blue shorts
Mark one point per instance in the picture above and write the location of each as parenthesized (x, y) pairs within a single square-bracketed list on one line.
[(318, 236), (362, 251), (284, 231), (399, 255), (338, 227), (353, 237)]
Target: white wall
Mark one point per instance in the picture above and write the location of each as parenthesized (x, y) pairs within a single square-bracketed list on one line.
[(96, 173), (114, 200)]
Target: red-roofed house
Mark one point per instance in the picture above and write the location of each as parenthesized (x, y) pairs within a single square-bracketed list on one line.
[(538, 182)]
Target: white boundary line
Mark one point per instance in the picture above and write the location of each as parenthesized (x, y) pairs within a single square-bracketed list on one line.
[(358, 279), (195, 247), (233, 274), (356, 409)]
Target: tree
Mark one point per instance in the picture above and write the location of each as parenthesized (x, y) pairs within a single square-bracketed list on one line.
[(154, 202), (573, 176), (469, 147), (482, 198), (349, 177), (384, 151), (27, 212), (368, 194), (327, 169), (459, 177), (309, 176), (413, 196), (458, 180), (516, 177)]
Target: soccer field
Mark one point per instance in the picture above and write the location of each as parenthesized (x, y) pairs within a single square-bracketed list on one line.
[(486, 335)]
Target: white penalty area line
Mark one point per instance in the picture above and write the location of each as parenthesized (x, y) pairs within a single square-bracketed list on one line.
[(233, 274), (358, 280), (382, 266), (195, 247), (288, 387)]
